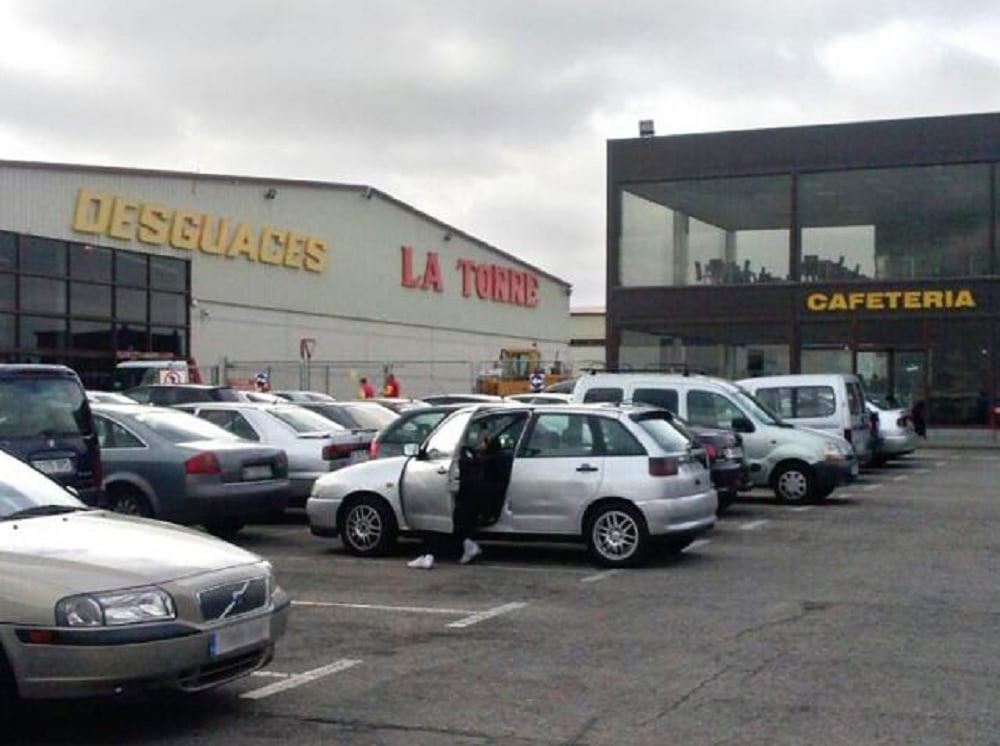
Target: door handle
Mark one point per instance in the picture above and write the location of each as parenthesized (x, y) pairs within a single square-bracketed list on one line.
[(586, 467)]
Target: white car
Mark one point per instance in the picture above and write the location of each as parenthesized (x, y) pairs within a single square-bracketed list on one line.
[(896, 433), (615, 478)]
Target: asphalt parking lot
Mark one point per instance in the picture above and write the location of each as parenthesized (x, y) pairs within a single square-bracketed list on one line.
[(869, 619)]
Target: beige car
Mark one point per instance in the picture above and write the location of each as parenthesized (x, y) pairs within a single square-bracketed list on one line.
[(94, 602)]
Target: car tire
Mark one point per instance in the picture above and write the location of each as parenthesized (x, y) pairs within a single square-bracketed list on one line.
[(794, 482), (129, 500), (726, 499), (368, 527), (8, 693), (616, 535), (224, 528)]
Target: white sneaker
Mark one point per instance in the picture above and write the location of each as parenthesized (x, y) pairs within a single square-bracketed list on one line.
[(470, 550), (423, 562)]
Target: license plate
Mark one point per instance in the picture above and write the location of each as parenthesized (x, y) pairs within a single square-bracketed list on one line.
[(734, 453), (236, 636), (257, 471), (358, 455), (54, 465)]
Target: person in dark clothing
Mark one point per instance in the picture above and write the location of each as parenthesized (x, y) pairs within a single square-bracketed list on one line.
[(919, 418)]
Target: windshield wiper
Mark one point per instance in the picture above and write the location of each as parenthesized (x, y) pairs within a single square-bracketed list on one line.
[(40, 510)]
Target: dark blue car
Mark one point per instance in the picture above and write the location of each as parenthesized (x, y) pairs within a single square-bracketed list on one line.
[(45, 421)]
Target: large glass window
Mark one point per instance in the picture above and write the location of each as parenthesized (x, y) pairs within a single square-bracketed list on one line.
[(130, 304), (130, 269), (41, 333), (8, 251), (88, 262), (898, 223), (7, 293), (732, 351), (7, 327), (959, 374), (43, 256), (728, 231), (88, 299), (167, 308), (43, 294), (167, 274)]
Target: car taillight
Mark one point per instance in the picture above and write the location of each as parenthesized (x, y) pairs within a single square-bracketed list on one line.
[(710, 450), (203, 463), (373, 449), (663, 466), (334, 451)]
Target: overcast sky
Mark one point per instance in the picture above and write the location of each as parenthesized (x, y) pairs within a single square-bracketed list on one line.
[(491, 115)]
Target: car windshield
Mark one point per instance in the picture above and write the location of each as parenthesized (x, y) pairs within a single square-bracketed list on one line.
[(303, 420), (24, 489), (660, 426), (181, 427), (757, 410), (45, 407), (444, 439)]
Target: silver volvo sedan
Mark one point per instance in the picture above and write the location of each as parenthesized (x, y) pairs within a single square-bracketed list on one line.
[(93, 602), (614, 477)]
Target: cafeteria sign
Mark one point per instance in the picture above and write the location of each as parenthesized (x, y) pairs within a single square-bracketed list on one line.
[(891, 300)]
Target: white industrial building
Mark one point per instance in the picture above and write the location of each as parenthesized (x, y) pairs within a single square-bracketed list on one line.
[(316, 283)]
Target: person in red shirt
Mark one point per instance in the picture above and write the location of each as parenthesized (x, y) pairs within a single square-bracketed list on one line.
[(367, 391), (391, 387)]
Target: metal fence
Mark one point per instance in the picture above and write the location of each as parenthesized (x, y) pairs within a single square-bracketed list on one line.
[(342, 378)]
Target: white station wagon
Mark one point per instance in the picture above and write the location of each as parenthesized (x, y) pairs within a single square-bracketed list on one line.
[(615, 478)]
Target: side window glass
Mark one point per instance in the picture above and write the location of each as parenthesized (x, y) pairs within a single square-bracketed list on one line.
[(815, 401), (855, 399), (240, 426), (496, 433), (663, 398), (216, 417), (560, 435), (711, 410), (612, 395), (101, 430), (111, 435), (617, 441)]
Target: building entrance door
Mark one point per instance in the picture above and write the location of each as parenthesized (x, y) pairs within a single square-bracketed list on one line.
[(893, 375)]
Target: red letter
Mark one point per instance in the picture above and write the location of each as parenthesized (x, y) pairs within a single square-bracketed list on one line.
[(501, 284), (468, 268), (409, 281), (517, 288), (532, 282), (484, 281), (432, 273)]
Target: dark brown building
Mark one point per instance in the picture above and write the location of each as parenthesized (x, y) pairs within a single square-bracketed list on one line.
[(868, 247)]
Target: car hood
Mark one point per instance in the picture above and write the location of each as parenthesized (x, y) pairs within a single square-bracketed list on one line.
[(100, 550), (378, 475)]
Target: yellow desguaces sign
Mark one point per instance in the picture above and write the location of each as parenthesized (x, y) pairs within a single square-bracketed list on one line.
[(126, 218), (891, 300)]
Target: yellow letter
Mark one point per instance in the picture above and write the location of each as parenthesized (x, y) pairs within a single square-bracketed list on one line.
[(315, 255), (816, 302), (243, 244), (272, 245), (154, 224), (123, 215), (876, 301), (964, 299), (293, 250), (911, 299), (186, 229), (933, 299), (838, 302), (856, 300), (217, 243), (93, 211)]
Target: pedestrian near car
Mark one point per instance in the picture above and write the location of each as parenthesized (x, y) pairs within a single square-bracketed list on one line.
[(367, 391), (391, 387), (262, 383)]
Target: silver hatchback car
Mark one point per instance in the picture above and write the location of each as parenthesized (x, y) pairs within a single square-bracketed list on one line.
[(614, 477)]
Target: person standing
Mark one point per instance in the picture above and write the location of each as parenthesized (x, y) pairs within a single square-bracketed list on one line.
[(367, 391), (391, 387)]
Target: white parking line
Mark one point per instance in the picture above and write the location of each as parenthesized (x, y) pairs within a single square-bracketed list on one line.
[(382, 607), (599, 576), (870, 487), (488, 614), (919, 471), (940, 463), (698, 543), (804, 508), (901, 478), (299, 679), (271, 674), (753, 525)]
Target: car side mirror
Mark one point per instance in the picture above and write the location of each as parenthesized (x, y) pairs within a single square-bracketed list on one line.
[(742, 425), (411, 449)]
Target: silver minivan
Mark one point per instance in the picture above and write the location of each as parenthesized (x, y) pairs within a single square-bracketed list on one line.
[(834, 402), (796, 463), (616, 478)]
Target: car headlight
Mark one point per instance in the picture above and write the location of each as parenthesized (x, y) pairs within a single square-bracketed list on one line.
[(115, 608)]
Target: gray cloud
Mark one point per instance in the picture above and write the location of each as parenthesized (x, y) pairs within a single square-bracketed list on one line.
[(491, 115)]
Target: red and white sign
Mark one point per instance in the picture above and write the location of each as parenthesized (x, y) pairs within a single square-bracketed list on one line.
[(307, 346), (173, 376)]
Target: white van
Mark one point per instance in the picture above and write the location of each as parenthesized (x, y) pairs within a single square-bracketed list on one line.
[(797, 463), (833, 402)]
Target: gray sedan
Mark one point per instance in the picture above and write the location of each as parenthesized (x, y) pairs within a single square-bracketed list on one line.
[(166, 464), (314, 445)]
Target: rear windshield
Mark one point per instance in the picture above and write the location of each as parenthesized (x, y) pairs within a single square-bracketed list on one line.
[(662, 430), (304, 421), (43, 407), (181, 427), (373, 417), (414, 429)]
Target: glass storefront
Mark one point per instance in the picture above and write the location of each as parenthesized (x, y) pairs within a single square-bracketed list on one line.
[(89, 306)]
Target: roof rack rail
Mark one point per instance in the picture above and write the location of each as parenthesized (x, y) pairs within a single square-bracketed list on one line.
[(682, 369)]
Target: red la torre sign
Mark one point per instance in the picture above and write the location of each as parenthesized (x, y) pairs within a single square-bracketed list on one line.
[(487, 281)]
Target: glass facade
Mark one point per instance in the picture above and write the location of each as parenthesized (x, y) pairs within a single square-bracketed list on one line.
[(89, 306), (867, 253)]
